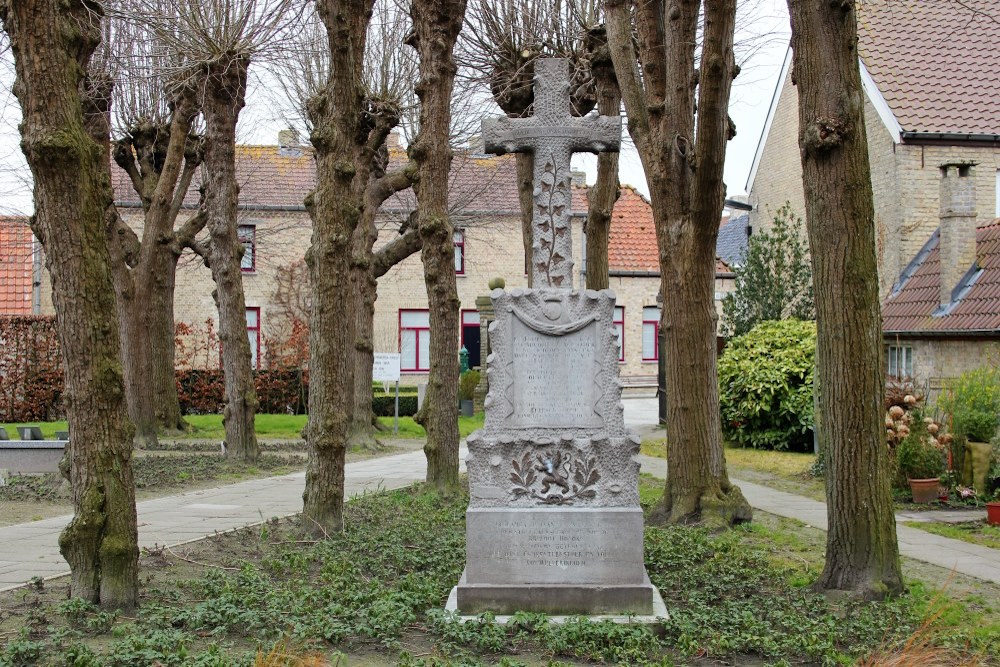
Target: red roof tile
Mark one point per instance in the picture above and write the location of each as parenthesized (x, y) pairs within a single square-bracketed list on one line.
[(16, 246), (911, 308), (936, 63)]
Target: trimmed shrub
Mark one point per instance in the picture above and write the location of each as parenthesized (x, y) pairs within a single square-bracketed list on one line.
[(31, 376), (382, 405), (973, 401), (766, 386)]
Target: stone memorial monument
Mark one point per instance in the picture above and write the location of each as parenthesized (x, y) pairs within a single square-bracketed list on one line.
[(554, 523)]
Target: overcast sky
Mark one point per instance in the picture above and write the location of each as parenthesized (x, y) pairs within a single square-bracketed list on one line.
[(751, 98)]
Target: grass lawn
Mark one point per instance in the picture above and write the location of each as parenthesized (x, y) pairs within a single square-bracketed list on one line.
[(976, 532), (278, 427), (785, 471), (372, 595)]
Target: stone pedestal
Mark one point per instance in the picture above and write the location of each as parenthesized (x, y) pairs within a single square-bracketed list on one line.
[(554, 523)]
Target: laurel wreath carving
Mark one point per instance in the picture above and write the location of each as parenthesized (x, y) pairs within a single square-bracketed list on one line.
[(575, 476)]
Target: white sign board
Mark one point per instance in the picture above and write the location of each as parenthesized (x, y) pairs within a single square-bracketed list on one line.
[(386, 367)]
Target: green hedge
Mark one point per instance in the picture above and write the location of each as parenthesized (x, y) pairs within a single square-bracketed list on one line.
[(766, 386), (382, 405)]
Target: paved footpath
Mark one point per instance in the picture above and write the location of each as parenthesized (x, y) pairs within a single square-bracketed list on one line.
[(963, 557), (31, 549)]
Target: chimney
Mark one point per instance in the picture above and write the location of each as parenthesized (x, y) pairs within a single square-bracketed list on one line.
[(392, 141), (288, 138), (476, 146), (578, 178), (957, 242)]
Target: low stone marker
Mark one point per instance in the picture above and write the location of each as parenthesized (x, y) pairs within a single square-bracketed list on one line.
[(554, 523), (31, 456), (30, 432)]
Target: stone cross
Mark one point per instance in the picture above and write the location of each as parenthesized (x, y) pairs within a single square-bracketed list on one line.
[(552, 134)]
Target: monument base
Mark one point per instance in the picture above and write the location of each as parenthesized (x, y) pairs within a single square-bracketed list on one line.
[(622, 602)]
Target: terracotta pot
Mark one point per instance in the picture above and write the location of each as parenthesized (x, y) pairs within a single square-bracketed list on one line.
[(993, 513), (924, 490)]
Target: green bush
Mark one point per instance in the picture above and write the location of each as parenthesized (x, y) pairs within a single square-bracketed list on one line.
[(766, 386), (973, 401), (383, 406), (917, 457), (467, 385)]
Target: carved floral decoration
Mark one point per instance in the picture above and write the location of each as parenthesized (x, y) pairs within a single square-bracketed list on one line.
[(556, 478)]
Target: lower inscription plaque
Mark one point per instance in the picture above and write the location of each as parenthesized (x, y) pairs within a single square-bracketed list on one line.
[(554, 546)]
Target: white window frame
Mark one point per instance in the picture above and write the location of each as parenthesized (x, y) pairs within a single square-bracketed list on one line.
[(619, 320), (899, 357), (647, 324)]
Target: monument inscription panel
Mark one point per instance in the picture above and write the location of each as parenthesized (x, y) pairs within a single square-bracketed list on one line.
[(554, 546), (553, 377)]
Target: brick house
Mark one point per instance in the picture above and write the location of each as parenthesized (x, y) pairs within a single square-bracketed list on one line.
[(17, 267), (276, 230), (930, 79)]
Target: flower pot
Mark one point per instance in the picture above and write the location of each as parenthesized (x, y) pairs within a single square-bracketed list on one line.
[(924, 490), (993, 513)]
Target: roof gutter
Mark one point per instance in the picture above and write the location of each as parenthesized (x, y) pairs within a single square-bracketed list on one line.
[(945, 333), (625, 273), (738, 205), (949, 138)]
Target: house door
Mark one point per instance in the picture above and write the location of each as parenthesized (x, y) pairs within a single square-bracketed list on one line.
[(470, 336)]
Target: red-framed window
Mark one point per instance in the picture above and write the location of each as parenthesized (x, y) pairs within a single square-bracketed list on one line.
[(253, 335), (620, 330), (650, 333), (414, 340), (471, 336), (248, 237), (459, 237)]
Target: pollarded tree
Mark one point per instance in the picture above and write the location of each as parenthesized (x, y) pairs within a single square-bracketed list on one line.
[(682, 154), (436, 24), (159, 151), (52, 43), (774, 279), (861, 550), (213, 43), (387, 77)]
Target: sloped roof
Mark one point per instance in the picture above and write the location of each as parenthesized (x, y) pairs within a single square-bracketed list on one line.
[(632, 238), (16, 246), (273, 177), (910, 309), (936, 63), (733, 238)]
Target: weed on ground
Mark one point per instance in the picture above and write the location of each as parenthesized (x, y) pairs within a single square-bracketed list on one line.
[(373, 595)]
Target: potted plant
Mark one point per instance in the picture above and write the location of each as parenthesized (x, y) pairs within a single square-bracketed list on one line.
[(467, 384), (921, 462)]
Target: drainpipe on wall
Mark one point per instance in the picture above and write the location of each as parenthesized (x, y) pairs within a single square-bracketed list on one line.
[(36, 277)]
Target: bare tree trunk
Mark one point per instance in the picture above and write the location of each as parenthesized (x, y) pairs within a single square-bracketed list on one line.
[(160, 159), (367, 267), (224, 98), (362, 433), (683, 166), (52, 44), (604, 194), (525, 163), (436, 25), (344, 156), (861, 550)]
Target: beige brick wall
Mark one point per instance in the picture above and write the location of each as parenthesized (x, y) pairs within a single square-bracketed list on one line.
[(935, 361), (493, 249)]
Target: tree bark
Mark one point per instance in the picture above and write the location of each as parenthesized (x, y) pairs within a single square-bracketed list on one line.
[(224, 98), (52, 43), (345, 149), (436, 26), (604, 194), (862, 555), (160, 159), (683, 156), (367, 267)]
